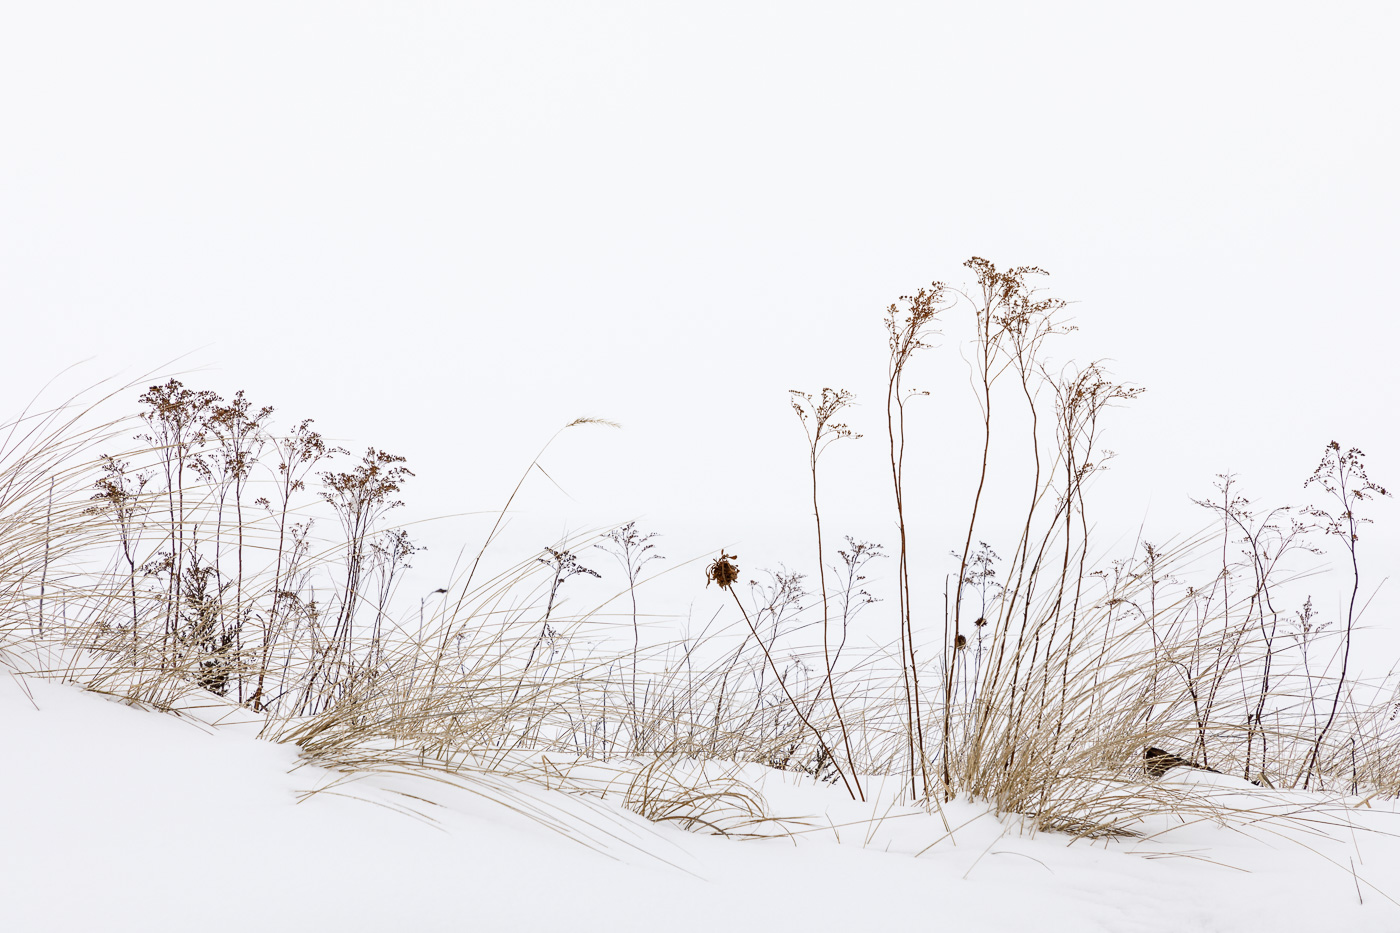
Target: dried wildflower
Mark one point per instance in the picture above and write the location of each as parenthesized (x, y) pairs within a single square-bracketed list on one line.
[(960, 643), (823, 430), (722, 570)]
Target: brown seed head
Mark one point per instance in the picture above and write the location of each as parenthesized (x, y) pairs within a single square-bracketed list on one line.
[(722, 570)]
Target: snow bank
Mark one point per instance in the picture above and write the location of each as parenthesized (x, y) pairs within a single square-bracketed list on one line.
[(121, 819)]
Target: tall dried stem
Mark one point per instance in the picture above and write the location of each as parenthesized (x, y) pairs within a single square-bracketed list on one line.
[(1343, 477), (822, 432), (907, 332)]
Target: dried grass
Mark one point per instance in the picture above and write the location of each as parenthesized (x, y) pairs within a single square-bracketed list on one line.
[(1044, 708)]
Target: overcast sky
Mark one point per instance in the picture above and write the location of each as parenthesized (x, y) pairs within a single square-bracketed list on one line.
[(447, 229)]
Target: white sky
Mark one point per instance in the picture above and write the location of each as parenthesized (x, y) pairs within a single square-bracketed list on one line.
[(448, 229)]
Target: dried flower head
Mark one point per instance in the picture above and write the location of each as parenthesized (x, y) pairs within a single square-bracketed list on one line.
[(722, 570)]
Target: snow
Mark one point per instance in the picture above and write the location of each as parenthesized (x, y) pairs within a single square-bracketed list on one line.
[(125, 819)]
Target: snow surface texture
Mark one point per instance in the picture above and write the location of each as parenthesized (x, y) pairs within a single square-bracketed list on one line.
[(122, 819)]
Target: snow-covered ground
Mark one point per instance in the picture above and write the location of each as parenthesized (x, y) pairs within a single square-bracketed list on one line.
[(120, 819)]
